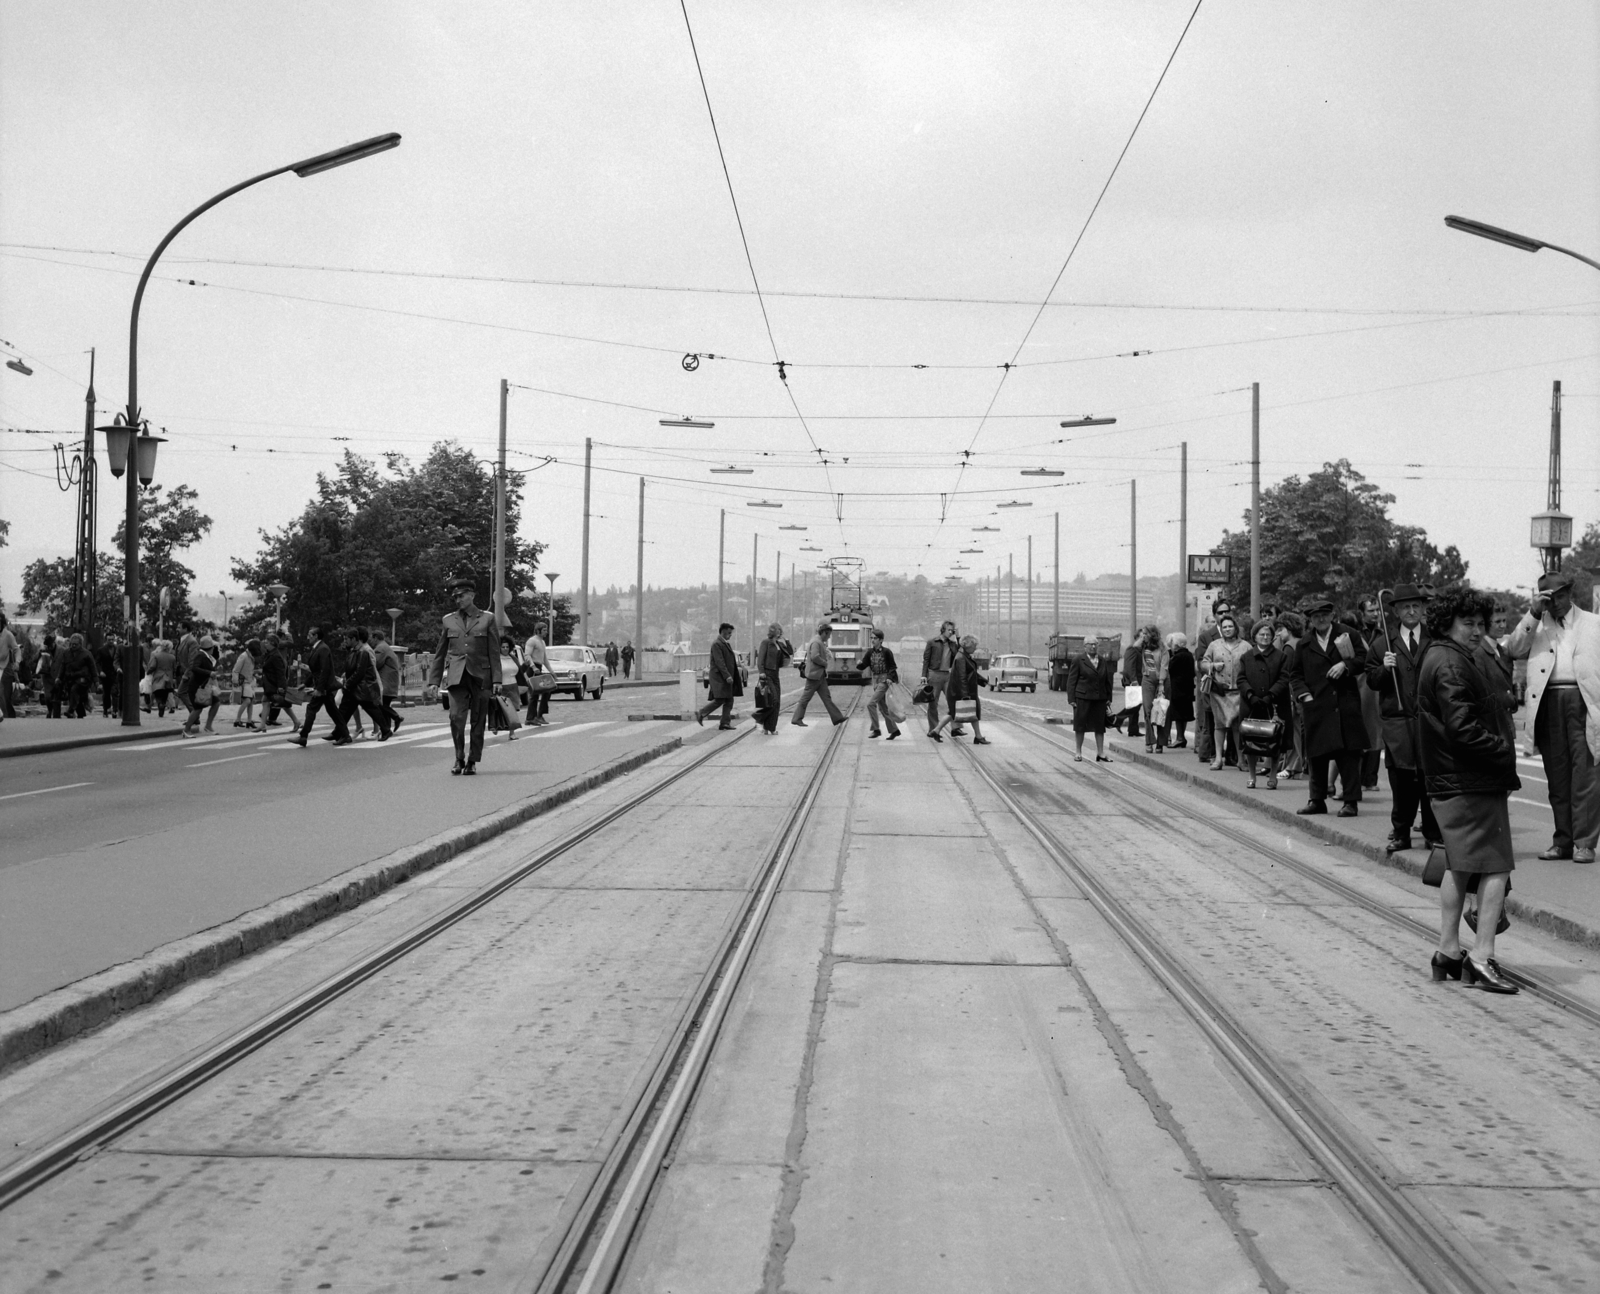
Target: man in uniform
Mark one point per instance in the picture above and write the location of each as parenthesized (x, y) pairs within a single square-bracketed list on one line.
[(1561, 644), (1323, 673), (1392, 666), (467, 664)]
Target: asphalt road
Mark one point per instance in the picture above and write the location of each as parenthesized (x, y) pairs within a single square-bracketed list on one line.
[(107, 852)]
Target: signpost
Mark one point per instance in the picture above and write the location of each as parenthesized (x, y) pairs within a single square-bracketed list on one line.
[(1210, 568)]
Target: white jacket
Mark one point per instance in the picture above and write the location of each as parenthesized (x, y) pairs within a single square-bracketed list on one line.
[(1531, 641)]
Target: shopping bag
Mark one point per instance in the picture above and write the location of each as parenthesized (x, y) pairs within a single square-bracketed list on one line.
[(1132, 696), (922, 695), (964, 711), (1158, 710)]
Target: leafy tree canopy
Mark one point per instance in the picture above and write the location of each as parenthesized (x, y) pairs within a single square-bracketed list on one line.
[(373, 538), (1331, 535)]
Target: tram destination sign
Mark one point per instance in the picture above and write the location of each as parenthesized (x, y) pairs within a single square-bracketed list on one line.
[(1210, 568)]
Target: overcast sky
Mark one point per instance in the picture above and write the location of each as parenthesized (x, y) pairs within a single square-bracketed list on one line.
[(1277, 218)]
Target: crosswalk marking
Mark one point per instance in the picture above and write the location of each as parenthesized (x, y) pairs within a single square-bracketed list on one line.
[(547, 734), (221, 742)]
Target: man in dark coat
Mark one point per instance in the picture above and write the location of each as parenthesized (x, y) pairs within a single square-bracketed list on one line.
[(626, 655), (466, 664), (1392, 665), (1324, 674), (323, 685), (722, 679)]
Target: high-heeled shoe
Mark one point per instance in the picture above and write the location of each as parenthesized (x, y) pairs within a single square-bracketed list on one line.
[(1446, 967), (1486, 975)]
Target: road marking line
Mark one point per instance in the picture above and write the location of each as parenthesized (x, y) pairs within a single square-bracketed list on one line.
[(47, 790), (1517, 799), (227, 759)]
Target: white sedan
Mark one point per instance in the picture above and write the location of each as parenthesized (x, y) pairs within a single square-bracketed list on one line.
[(1013, 671), (577, 670)]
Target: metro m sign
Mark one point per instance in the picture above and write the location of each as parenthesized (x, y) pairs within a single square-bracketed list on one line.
[(1210, 568)]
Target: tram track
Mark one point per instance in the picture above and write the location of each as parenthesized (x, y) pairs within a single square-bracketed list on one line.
[(664, 1094), (1139, 799), (1423, 1244)]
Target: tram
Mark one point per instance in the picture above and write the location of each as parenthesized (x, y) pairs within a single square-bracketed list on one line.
[(851, 621)]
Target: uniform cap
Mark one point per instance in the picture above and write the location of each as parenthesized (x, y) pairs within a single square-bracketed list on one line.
[(461, 582)]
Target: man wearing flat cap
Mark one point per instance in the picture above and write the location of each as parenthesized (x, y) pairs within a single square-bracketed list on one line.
[(467, 664), (1393, 658), (1323, 674), (1561, 644)]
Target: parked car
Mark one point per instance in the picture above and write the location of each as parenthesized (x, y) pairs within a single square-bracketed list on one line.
[(577, 670), (1013, 671)]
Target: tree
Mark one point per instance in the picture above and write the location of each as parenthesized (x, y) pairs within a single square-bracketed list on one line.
[(372, 538), (47, 588), (166, 527), (1331, 535)]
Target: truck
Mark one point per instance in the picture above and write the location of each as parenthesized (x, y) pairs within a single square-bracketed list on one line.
[(1066, 648)]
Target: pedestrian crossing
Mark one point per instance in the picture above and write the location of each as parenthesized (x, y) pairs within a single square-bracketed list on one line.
[(221, 747)]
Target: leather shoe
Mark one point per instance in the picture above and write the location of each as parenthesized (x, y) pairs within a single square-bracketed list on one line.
[(1428, 843), (1553, 854), (296, 741), (471, 768), (1396, 844), (1346, 811), (456, 771), (1582, 855), (1312, 807)]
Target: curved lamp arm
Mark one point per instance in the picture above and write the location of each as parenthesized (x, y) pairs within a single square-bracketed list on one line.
[(310, 166), (1520, 241)]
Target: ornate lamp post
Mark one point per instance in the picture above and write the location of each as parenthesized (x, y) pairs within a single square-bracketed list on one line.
[(278, 592), (552, 577), (121, 436)]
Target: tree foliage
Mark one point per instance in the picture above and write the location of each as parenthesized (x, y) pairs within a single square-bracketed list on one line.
[(47, 588), (1331, 535), (373, 538)]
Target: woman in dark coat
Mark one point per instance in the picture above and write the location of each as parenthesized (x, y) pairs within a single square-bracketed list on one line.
[(1263, 687), (722, 678), (1180, 689), (1323, 674), (962, 691), (1467, 748), (1091, 679)]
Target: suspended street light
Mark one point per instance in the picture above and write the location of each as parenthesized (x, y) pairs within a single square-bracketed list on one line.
[(1014, 503), (791, 527), (1042, 471), (971, 550), (17, 366), (685, 421), (1088, 420), (763, 503), (732, 471), (994, 528)]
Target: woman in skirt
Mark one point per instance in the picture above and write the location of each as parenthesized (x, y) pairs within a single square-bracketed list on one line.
[(1091, 679), (1467, 750), (962, 691), (1179, 689), (1263, 685)]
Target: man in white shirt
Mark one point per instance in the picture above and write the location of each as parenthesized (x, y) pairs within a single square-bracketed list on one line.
[(1561, 644), (534, 655), (9, 657)]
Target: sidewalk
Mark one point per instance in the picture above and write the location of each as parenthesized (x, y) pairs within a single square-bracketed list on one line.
[(35, 735), (1562, 898)]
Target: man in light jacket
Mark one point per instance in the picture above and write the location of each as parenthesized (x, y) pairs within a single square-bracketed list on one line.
[(816, 669), (938, 658), (1561, 644)]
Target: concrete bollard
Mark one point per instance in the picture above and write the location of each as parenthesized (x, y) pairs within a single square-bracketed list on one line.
[(688, 695)]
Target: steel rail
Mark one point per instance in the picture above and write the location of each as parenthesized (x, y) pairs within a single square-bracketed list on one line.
[(1436, 1258), (126, 1113), (1531, 983), (599, 1238)]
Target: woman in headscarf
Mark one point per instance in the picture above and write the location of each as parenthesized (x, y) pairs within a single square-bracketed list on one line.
[(1180, 689), (1221, 665), (1263, 685)]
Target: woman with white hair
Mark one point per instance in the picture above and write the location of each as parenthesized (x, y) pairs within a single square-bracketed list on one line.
[(1179, 690)]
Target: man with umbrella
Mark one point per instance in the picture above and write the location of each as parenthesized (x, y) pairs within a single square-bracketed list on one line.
[(1392, 664), (466, 664), (1324, 673)]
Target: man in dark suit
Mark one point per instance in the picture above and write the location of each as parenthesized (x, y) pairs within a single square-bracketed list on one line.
[(1323, 673), (1392, 664), (322, 684), (466, 663), (722, 679)]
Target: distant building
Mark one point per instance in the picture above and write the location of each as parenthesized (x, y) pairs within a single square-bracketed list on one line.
[(1085, 608)]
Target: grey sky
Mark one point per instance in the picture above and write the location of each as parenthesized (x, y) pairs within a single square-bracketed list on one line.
[(1298, 157)]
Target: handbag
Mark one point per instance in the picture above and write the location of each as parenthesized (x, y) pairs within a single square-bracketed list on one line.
[(922, 695), (202, 695), (541, 682), (1261, 734), (1434, 869), (964, 711)]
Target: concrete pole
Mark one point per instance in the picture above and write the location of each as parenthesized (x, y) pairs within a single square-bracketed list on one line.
[(498, 578), (1058, 576), (755, 558), (1011, 602), (583, 591), (1255, 500), (1133, 563), (1030, 597), (722, 539), (638, 590), (793, 606), (777, 592), (1183, 538)]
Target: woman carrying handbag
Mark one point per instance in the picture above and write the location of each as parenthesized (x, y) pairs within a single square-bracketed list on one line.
[(1263, 688)]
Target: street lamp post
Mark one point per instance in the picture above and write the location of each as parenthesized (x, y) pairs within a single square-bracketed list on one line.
[(552, 576), (278, 592), (394, 625), (120, 436), (224, 593)]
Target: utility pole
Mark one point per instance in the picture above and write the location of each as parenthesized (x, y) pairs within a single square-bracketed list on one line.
[(583, 592), (1011, 602), (777, 592), (755, 560), (83, 573), (1255, 500), (793, 607), (1552, 528), (1058, 576), (722, 538), (1030, 597), (497, 595), (638, 589), (1183, 537), (1133, 562)]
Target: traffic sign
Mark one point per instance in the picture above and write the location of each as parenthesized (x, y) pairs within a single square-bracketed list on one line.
[(1210, 568)]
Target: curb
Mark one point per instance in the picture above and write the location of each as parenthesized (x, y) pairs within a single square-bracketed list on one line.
[(1550, 922), (76, 743), (65, 1012)]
